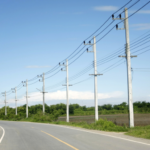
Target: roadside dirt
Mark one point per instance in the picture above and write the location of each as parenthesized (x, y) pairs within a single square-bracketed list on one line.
[(119, 119)]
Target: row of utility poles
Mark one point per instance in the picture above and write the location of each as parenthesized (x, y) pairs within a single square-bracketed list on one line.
[(127, 56)]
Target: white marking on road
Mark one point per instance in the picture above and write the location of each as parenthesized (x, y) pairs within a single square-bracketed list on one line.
[(2, 134)]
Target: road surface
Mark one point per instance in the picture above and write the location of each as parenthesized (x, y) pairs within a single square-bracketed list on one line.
[(37, 136)]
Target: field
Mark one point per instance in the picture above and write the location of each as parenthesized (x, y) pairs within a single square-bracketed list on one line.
[(118, 119)]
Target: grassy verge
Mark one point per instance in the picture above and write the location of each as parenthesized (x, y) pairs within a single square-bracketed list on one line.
[(141, 132), (104, 112), (101, 124)]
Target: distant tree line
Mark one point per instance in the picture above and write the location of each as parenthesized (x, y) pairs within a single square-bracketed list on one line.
[(60, 109)]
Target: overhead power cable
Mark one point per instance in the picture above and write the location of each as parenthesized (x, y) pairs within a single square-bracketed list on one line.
[(116, 64), (105, 59), (101, 33), (86, 39), (107, 20), (122, 21), (98, 40)]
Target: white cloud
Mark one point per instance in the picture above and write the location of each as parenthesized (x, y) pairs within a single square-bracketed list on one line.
[(142, 26), (37, 66), (105, 8), (74, 95), (36, 98), (140, 12), (144, 12)]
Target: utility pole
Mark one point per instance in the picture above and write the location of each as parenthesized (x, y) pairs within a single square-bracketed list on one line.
[(67, 89), (95, 76), (26, 98), (14, 90), (4, 94), (26, 85), (5, 105), (43, 91), (128, 60)]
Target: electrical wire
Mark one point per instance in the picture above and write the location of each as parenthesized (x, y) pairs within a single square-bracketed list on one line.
[(77, 48), (86, 39), (103, 36), (110, 58), (106, 70), (33, 82)]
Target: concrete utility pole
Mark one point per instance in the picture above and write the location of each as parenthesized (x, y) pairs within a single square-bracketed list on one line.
[(67, 89), (67, 94), (128, 60), (26, 85), (43, 91), (26, 98), (5, 105), (4, 94), (14, 90), (95, 75)]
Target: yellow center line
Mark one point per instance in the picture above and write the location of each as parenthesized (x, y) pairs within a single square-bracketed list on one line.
[(60, 140)]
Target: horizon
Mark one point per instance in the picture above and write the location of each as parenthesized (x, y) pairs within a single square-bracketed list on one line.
[(36, 37)]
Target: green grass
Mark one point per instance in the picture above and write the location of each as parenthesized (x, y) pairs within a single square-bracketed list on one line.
[(141, 132), (39, 117), (101, 124), (103, 112)]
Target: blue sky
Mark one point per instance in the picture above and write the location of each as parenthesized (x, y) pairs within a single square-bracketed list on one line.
[(37, 34)]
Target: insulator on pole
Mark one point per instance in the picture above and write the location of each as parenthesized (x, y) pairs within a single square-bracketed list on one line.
[(84, 42), (116, 26), (89, 42), (120, 16), (87, 49), (113, 16)]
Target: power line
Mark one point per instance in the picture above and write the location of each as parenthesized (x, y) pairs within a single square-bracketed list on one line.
[(103, 61), (81, 43), (108, 20), (97, 42)]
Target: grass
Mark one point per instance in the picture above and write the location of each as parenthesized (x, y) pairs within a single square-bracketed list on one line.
[(39, 117), (104, 112), (141, 132), (101, 124)]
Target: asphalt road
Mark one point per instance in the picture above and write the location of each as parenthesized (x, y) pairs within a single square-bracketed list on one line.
[(34, 136)]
